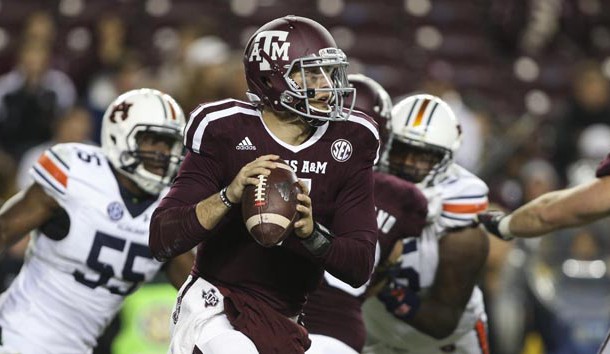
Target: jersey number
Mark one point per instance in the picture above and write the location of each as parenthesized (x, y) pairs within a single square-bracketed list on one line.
[(89, 157), (105, 270)]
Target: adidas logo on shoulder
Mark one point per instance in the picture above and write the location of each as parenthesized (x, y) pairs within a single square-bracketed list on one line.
[(245, 144)]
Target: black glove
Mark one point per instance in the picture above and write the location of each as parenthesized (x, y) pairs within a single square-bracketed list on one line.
[(491, 221), (399, 300)]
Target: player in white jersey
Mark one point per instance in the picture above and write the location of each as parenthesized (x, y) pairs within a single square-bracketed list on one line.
[(430, 303), (89, 210)]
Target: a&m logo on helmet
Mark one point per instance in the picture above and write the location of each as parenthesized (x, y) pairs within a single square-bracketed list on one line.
[(269, 44)]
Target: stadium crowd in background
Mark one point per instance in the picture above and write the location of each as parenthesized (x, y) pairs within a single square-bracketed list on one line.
[(529, 81)]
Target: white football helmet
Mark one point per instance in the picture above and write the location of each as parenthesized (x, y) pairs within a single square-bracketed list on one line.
[(425, 134), (135, 112)]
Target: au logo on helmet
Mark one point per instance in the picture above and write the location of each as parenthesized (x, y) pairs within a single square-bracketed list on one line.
[(273, 46), (122, 108)]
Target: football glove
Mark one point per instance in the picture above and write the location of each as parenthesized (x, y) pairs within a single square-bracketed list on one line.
[(491, 222), (399, 300)]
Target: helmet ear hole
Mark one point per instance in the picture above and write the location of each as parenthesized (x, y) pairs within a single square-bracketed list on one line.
[(113, 138)]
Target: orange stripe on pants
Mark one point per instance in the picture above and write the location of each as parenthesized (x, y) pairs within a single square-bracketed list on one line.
[(481, 330)]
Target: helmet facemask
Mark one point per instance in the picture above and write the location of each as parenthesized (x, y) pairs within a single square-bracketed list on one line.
[(416, 162), (318, 87), (151, 169), (423, 123)]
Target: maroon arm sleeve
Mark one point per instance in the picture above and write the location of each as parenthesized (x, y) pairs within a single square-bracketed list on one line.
[(352, 253), (174, 227)]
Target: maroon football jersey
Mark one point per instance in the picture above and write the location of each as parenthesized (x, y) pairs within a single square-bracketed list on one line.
[(336, 164), (401, 212), (604, 167)]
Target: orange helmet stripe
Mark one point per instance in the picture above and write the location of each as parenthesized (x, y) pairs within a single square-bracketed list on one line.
[(420, 113)]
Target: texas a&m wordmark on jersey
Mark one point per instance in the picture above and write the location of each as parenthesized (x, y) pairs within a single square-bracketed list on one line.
[(453, 204), (336, 164), (81, 264)]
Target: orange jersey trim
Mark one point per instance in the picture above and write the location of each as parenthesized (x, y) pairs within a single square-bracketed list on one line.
[(482, 336), (53, 170), (465, 208)]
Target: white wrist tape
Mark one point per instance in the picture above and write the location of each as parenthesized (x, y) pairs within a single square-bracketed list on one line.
[(504, 228)]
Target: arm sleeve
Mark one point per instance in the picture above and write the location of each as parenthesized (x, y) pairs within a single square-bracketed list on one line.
[(174, 227), (462, 203), (352, 253), (52, 171)]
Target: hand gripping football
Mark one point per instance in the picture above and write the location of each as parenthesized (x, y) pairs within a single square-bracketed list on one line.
[(269, 209)]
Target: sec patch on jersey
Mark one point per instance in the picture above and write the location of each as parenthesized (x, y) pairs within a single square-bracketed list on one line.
[(269, 209)]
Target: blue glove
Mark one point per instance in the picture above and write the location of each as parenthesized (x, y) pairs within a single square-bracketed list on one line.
[(399, 300)]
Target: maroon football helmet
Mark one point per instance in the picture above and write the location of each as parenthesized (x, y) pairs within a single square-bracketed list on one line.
[(374, 100), (293, 64)]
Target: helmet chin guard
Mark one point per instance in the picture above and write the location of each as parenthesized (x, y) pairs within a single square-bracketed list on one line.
[(143, 111)]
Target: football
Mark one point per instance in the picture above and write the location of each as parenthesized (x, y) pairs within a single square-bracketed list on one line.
[(269, 209)]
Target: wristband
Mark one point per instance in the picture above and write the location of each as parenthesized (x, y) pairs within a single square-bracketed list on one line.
[(224, 199), (319, 241), (504, 229)]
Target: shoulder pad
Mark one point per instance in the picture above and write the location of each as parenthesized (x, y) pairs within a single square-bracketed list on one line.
[(52, 169), (206, 113), (464, 198)]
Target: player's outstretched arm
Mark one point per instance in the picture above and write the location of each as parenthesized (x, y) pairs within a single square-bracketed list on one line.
[(551, 211), (24, 212)]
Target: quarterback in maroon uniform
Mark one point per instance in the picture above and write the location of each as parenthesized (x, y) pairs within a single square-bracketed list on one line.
[(242, 297)]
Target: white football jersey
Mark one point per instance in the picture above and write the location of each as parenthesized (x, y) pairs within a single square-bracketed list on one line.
[(453, 203), (72, 285)]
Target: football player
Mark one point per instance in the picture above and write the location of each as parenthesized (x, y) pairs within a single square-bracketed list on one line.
[(374, 100), (430, 302), (556, 210), (333, 314), (89, 209), (252, 295)]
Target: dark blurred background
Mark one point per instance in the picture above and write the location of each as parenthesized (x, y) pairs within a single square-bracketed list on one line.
[(528, 79)]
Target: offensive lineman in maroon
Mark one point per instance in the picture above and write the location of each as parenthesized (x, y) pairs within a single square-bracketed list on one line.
[(242, 297), (333, 314)]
